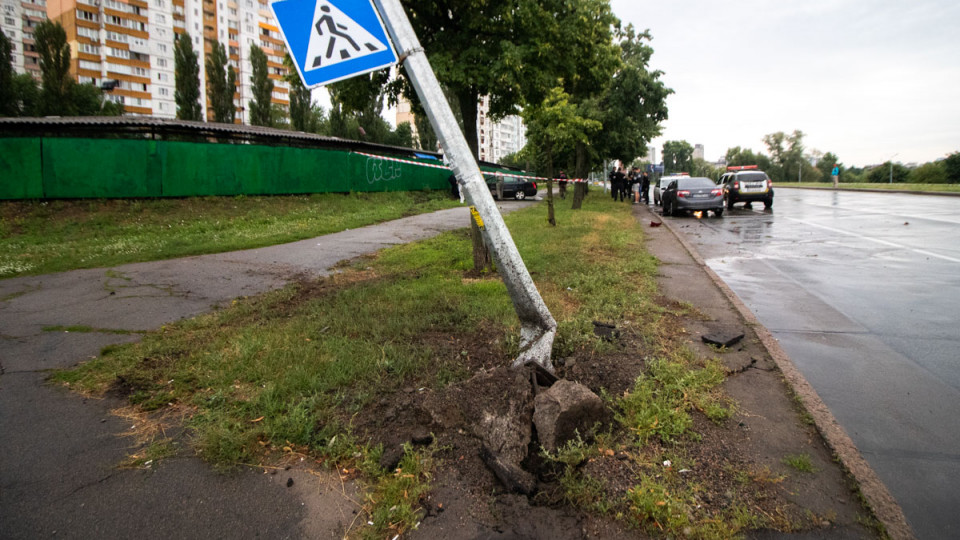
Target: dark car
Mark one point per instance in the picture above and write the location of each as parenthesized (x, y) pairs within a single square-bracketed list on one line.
[(746, 184), (514, 187), (693, 193)]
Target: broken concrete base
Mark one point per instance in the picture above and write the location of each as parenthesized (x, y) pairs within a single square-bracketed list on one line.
[(564, 411)]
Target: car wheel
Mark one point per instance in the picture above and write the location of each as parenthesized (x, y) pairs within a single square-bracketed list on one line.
[(768, 203), (520, 195), (718, 212)]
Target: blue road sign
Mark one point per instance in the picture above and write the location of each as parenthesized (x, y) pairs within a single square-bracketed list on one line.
[(332, 40)]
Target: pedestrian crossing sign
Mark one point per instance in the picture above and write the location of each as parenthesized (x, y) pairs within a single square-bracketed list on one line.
[(332, 40)]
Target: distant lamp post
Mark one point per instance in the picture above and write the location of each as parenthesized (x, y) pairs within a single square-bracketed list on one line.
[(891, 166)]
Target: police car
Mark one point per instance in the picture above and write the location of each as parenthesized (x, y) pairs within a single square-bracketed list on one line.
[(746, 184)]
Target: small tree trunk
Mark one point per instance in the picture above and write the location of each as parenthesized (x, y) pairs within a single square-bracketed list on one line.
[(550, 214), (579, 191), (481, 255)]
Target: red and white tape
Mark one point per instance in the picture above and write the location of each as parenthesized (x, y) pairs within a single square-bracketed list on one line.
[(447, 167)]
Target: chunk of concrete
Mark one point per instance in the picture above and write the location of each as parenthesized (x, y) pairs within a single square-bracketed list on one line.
[(563, 411)]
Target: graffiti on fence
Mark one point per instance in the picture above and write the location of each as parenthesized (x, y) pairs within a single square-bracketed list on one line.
[(381, 170)]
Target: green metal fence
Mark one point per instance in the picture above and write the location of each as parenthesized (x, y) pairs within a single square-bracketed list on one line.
[(60, 168)]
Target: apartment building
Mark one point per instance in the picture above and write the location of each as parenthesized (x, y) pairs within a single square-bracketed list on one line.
[(129, 44), (496, 140), (17, 20)]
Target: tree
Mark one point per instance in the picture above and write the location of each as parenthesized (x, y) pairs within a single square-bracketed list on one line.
[(826, 163), (426, 137), (929, 173), (302, 115), (951, 166), (187, 77), (553, 127), (8, 105), (882, 174), (513, 51), (402, 136), (677, 156), (786, 154), (221, 85), (51, 43), (262, 88), (634, 105), (737, 157), (26, 95), (88, 100)]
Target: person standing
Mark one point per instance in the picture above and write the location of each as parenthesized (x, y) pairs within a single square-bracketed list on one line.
[(645, 187), (620, 183), (562, 182)]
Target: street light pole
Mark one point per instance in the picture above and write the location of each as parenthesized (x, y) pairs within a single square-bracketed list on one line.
[(891, 166)]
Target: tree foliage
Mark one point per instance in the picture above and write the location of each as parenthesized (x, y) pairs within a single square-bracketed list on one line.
[(826, 163), (883, 173), (50, 40), (677, 156), (634, 105), (951, 165), (304, 115), (514, 51), (221, 85), (8, 105), (929, 173), (260, 105), (187, 78)]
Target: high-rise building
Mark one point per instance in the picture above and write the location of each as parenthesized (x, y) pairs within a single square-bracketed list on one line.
[(17, 20), (496, 140), (132, 42), (698, 151)]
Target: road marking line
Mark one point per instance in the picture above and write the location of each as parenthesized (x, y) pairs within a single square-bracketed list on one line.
[(877, 240)]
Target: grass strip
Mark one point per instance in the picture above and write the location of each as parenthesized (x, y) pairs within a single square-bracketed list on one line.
[(38, 237), (931, 188), (291, 368)]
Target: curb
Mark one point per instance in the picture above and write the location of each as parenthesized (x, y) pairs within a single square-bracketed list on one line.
[(878, 497)]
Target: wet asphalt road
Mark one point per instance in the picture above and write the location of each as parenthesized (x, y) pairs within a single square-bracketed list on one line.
[(863, 292)]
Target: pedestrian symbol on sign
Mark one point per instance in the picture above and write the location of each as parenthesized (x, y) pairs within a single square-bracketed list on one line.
[(331, 40), (338, 38)]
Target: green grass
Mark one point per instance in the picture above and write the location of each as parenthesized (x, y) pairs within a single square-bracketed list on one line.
[(941, 188), (662, 399), (800, 462), (52, 236)]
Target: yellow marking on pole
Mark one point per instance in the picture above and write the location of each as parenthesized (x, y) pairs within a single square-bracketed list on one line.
[(476, 217)]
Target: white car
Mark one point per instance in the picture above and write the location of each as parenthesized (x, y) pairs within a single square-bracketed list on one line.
[(662, 186)]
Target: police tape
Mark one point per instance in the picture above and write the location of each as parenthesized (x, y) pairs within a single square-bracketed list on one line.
[(447, 167)]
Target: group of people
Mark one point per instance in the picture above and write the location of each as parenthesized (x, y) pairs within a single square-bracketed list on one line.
[(633, 185)]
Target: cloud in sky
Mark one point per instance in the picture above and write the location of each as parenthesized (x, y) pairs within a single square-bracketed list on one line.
[(862, 79)]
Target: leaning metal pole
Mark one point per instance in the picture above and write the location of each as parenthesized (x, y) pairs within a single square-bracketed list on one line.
[(538, 327)]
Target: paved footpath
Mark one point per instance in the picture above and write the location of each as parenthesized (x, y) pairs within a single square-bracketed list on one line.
[(59, 452)]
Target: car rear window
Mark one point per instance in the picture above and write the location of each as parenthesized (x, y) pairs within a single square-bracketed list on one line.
[(752, 177), (695, 182)]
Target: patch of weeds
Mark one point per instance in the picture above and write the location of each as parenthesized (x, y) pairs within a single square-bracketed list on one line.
[(584, 491), (394, 504), (152, 453), (571, 454), (660, 403), (665, 506), (719, 349), (800, 462)]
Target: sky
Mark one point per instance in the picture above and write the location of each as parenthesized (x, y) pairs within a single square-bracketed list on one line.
[(868, 80)]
